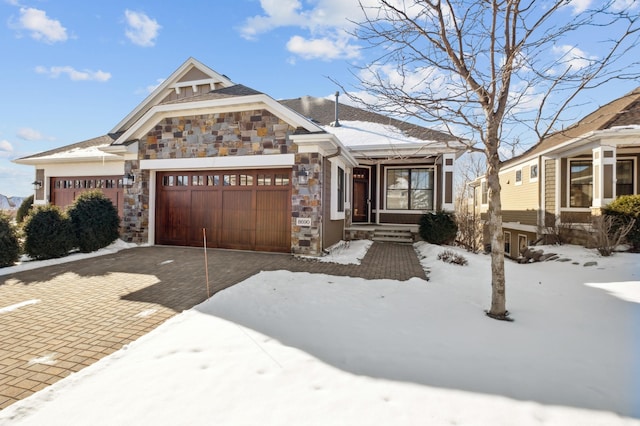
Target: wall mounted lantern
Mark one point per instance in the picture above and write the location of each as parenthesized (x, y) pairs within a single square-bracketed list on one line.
[(303, 176), (37, 184), (127, 180)]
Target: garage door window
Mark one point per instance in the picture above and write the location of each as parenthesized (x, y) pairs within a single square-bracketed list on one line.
[(197, 180), (213, 180), (246, 180)]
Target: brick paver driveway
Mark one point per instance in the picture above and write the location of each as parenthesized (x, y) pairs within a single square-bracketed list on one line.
[(59, 319)]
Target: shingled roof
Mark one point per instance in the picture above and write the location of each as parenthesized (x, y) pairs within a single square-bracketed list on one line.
[(621, 112), (89, 143), (226, 92), (322, 112)]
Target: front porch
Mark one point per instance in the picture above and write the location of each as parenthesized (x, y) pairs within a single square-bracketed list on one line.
[(397, 233)]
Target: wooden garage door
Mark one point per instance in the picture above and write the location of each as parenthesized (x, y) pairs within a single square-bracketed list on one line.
[(64, 190), (246, 210)]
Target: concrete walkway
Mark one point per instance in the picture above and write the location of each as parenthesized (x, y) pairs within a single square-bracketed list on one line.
[(59, 319)]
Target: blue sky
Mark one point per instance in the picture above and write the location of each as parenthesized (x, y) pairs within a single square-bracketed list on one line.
[(72, 70)]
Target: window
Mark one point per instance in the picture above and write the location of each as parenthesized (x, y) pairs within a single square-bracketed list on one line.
[(522, 243), (581, 183), (167, 181), (213, 180), (624, 177), (410, 189), (246, 180), (182, 180), (340, 195), (533, 173), (507, 243), (197, 180), (518, 177), (485, 192)]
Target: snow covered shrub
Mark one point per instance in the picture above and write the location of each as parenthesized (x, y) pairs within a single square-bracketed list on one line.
[(48, 233), (626, 209), (24, 209), (95, 221), (608, 232), (438, 228), (450, 256), (9, 243)]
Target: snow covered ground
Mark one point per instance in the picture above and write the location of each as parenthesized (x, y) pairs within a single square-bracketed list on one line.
[(285, 348)]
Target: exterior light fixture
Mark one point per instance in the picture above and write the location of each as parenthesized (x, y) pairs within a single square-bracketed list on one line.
[(303, 176), (37, 184), (127, 180)]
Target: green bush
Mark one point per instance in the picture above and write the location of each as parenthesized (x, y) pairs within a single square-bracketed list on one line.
[(24, 209), (95, 221), (625, 209), (9, 243), (48, 233), (438, 228)]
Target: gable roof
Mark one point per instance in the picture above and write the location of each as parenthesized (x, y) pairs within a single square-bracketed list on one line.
[(190, 74), (621, 112)]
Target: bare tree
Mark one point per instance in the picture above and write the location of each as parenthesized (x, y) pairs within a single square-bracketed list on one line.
[(489, 69)]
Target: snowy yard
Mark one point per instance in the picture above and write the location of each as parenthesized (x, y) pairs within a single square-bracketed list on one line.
[(286, 348)]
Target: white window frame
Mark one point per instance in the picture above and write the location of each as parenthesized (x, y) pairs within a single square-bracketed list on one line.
[(409, 166), (534, 179), (335, 214), (518, 181), (526, 240)]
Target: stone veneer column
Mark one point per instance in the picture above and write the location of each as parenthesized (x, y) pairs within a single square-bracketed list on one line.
[(136, 205), (306, 203)]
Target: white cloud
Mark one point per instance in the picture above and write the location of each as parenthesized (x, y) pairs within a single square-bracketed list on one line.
[(150, 88), (73, 74), (6, 149), (580, 6), (29, 134), (141, 29), (322, 48), (324, 25), (573, 57), (41, 26), (625, 4)]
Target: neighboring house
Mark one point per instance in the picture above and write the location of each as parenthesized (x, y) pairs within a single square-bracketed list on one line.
[(565, 179), (203, 153)]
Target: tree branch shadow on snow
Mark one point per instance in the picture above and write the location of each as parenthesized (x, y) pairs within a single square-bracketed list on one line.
[(553, 354)]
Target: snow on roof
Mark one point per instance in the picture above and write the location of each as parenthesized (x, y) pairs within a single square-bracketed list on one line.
[(360, 134), (83, 152)]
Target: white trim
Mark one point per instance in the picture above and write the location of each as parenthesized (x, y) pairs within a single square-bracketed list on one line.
[(526, 240), (333, 200), (152, 209), (568, 182), (231, 162)]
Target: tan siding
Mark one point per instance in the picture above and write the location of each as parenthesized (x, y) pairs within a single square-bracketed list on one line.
[(520, 201), (550, 186)]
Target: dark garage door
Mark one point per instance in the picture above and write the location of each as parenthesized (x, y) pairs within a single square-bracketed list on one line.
[(64, 190), (246, 210)]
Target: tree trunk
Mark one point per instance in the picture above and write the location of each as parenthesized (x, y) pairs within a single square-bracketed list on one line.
[(498, 297)]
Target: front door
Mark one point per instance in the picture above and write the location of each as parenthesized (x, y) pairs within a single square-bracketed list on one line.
[(360, 195)]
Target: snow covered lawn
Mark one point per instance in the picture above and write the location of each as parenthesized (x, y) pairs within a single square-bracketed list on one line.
[(286, 348)]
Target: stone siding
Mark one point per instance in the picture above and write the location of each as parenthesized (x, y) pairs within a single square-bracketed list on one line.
[(227, 134), (306, 202)]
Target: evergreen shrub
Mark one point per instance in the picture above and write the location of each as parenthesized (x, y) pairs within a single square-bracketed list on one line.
[(48, 233), (438, 228), (625, 209), (9, 242), (24, 209), (95, 221)]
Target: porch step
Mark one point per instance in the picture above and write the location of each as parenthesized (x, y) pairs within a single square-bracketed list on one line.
[(399, 235)]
